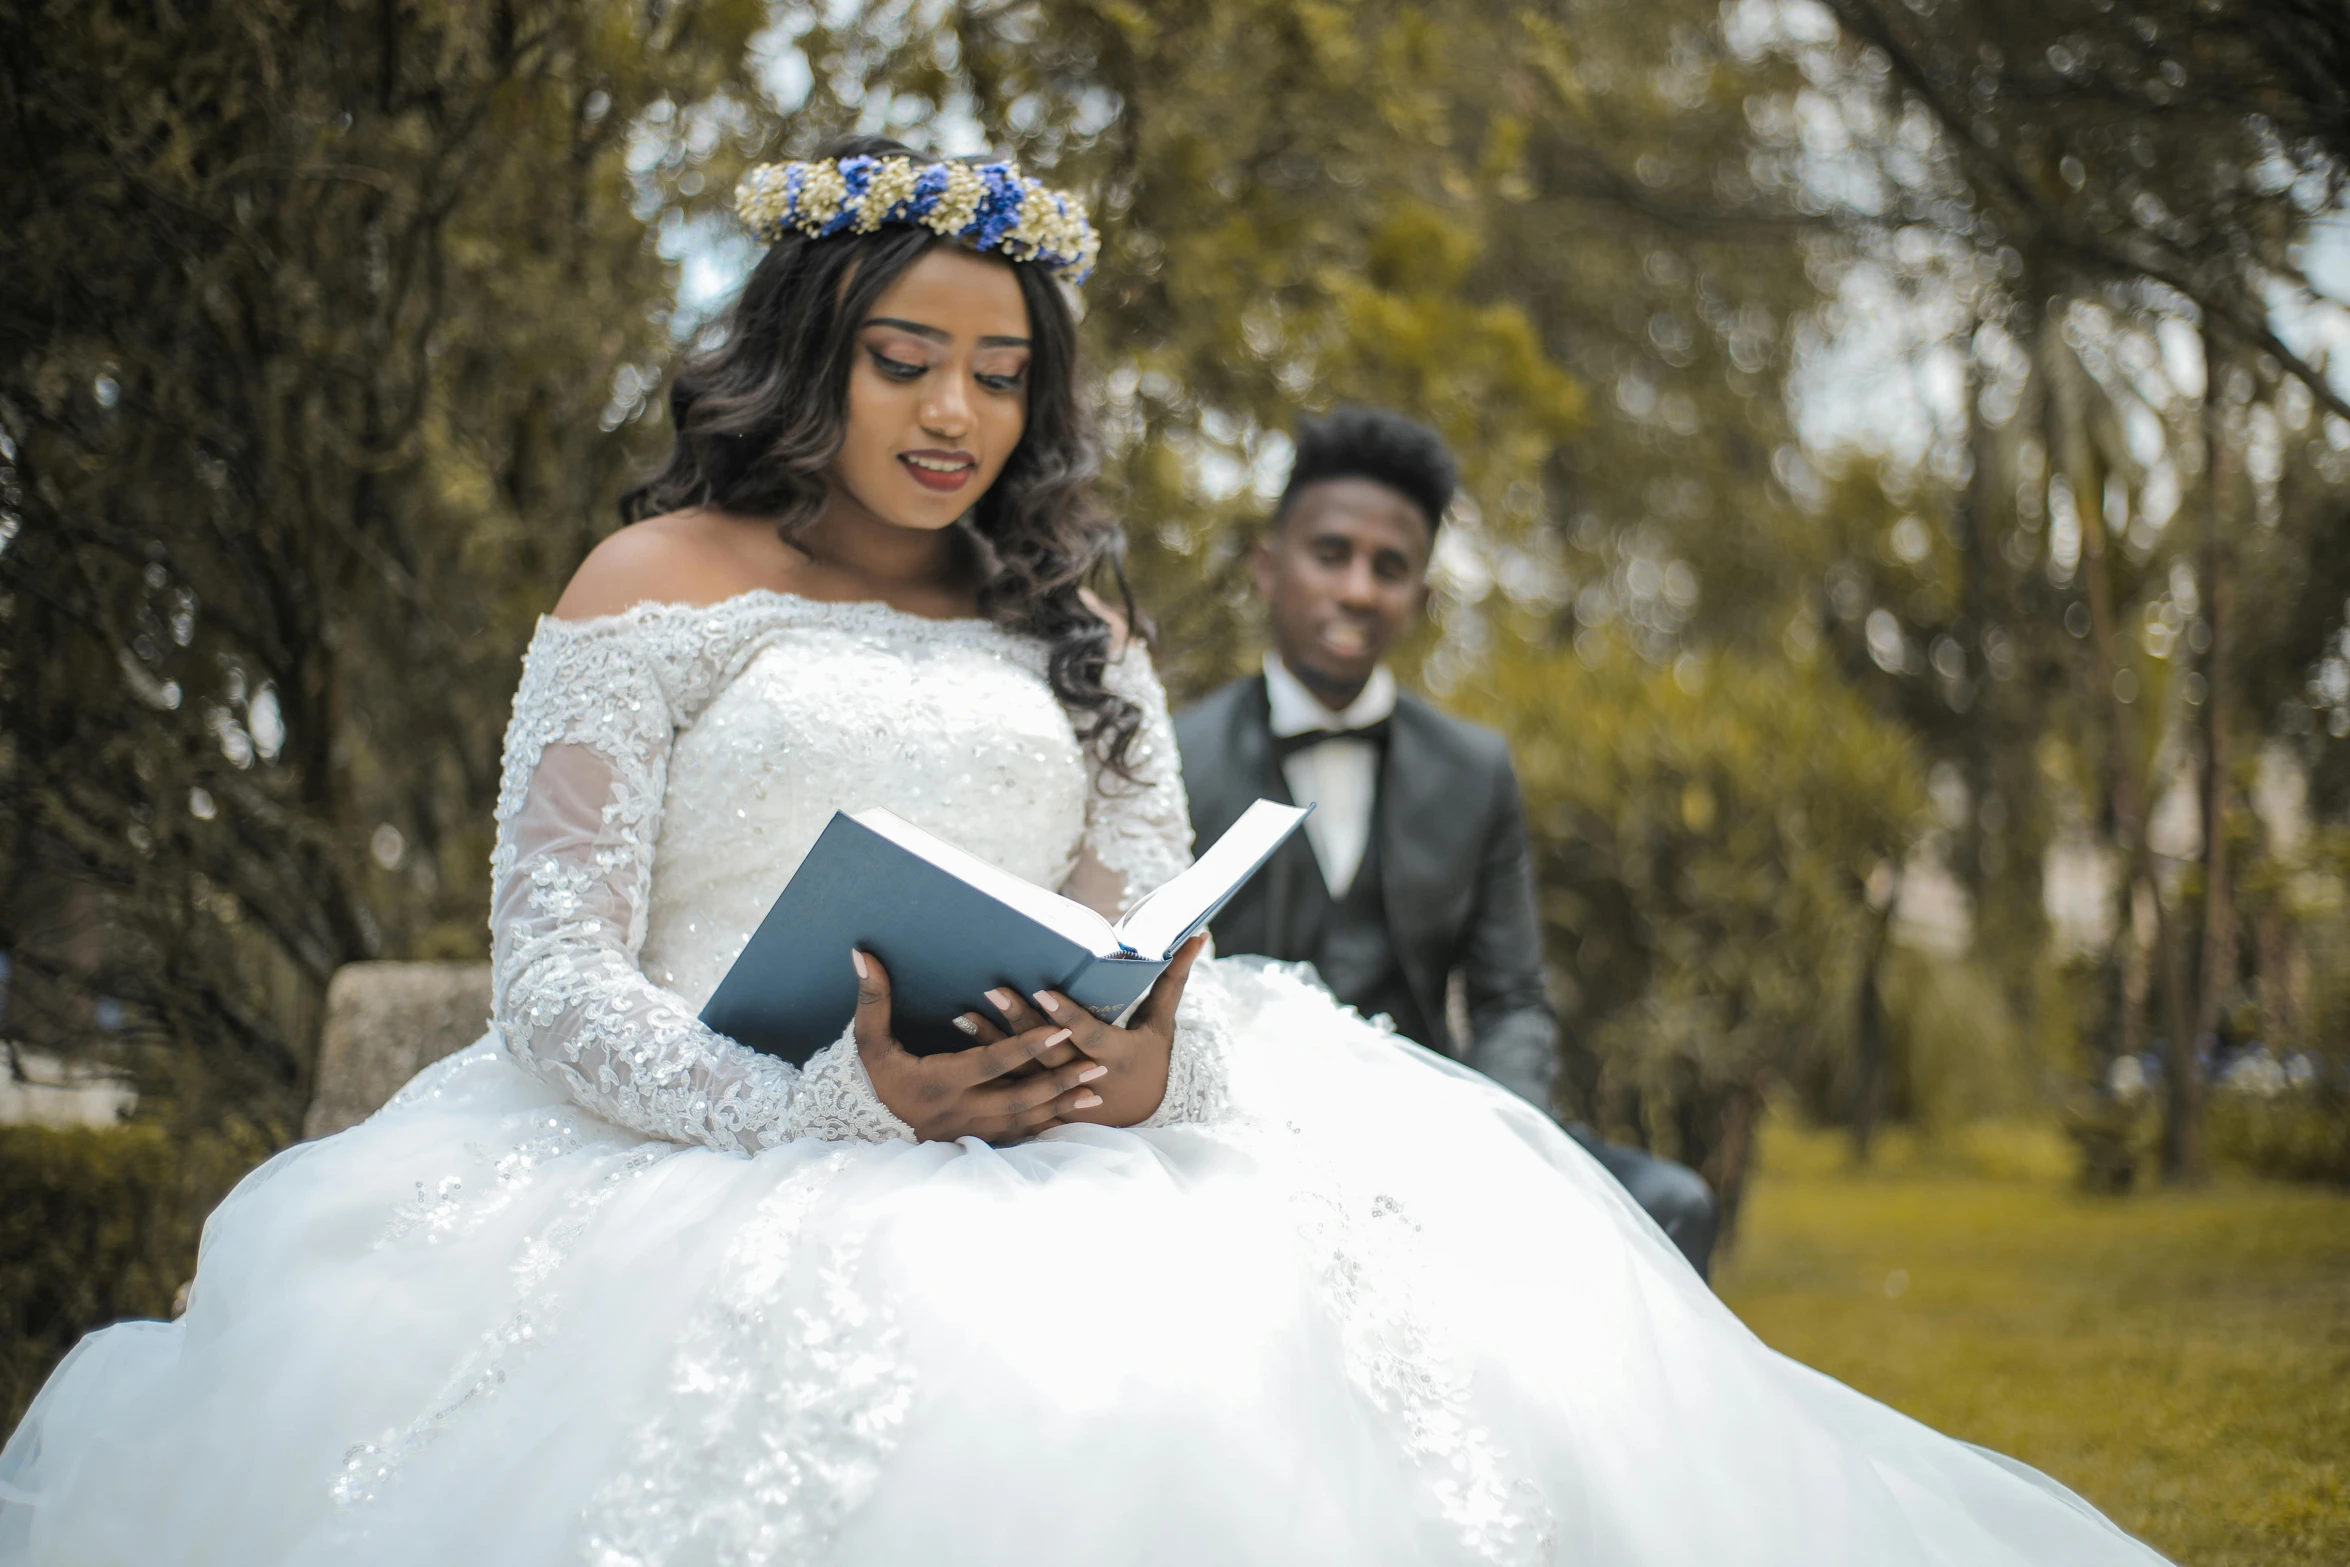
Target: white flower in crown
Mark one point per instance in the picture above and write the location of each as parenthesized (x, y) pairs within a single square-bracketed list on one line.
[(762, 199), (959, 203), (988, 206), (887, 187), (820, 194), (1049, 227)]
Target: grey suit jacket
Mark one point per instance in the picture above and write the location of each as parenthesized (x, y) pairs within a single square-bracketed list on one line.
[(1456, 874)]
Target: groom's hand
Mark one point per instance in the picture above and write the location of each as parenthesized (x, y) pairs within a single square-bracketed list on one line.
[(1006, 1090), (1136, 1055)]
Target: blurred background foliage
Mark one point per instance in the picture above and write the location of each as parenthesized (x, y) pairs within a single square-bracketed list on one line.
[(1904, 531), (1706, 831), (308, 316)]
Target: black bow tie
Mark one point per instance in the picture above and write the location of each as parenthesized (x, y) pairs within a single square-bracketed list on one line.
[(1287, 746)]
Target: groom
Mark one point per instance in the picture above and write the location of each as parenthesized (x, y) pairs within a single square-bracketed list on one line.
[(1414, 866)]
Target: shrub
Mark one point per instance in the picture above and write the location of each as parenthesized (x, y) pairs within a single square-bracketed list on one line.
[(1705, 834), (2293, 1136), (100, 1225)]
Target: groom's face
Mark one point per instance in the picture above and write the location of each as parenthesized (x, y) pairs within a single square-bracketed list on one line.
[(1344, 573)]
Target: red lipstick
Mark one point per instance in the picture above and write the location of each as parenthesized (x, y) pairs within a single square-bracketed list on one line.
[(941, 471)]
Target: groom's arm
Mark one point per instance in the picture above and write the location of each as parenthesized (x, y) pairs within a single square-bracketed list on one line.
[(1513, 1032)]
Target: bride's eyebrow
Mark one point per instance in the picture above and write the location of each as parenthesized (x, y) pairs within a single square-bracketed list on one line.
[(937, 336), (915, 327)]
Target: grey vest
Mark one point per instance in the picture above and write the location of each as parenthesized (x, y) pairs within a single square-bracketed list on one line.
[(1348, 942)]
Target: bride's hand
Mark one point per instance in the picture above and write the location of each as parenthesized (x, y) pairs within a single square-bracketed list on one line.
[(1136, 1055), (980, 1092)]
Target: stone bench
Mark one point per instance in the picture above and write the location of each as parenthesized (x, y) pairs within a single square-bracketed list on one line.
[(386, 1022)]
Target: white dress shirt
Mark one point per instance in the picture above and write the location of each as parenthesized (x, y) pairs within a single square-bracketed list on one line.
[(1339, 778)]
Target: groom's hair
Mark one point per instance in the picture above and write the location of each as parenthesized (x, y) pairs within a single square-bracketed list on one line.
[(1379, 445)]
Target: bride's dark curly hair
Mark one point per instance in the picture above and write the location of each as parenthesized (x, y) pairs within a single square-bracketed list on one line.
[(760, 412)]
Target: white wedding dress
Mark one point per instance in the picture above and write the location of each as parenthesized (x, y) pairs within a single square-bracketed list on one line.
[(609, 1289)]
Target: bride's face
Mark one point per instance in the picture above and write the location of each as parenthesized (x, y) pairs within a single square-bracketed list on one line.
[(938, 391)]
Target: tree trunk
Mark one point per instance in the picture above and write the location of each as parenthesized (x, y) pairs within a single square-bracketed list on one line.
[(1868, 1025), (2084, 472), (2182, 1142), (1733, 1155), (1970, 535), (2276, 952)]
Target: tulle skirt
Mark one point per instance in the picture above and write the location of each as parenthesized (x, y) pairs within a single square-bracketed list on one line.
[(1386, 1314)]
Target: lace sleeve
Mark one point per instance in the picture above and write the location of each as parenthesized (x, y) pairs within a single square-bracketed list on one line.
[(1137, 828), (1137, 835), (579, 811)]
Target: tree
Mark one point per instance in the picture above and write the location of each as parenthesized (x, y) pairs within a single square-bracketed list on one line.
[(2115, 196), (309, 316)]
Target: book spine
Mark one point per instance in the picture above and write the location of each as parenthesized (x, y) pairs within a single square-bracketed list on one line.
[(1110, 988)]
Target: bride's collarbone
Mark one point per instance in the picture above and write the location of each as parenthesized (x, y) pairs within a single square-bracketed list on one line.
[(694, 562)]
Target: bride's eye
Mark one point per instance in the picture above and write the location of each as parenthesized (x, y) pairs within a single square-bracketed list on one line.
[(1011, 382), (896, 369)]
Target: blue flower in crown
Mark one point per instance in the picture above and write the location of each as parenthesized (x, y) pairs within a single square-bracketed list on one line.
[(856, 176), (999, 209), (930, 183), (988, 206)]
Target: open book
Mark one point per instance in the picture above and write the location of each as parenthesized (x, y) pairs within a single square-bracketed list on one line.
[(950, 927)]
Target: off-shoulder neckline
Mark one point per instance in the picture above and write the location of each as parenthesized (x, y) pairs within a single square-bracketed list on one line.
[(871, 609), (877, 611)]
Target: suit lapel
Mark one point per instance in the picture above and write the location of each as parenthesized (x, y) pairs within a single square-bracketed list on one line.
[(1427, 820), (1252, 750)]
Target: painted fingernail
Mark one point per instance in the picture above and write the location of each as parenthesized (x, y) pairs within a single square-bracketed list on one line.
[(1047, 1002), (1055, 1038), (967, 1023), (1092, 1072), (858, 958), (1002, 1000), (1086, 1101)]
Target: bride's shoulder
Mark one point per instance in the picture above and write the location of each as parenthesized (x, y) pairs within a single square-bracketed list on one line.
[(683, 558)]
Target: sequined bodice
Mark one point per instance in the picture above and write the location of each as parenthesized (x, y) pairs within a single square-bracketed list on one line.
[(668, 768), (949, 724)]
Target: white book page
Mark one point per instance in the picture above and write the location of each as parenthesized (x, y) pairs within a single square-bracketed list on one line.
[(1049, 909), (1153, 926)]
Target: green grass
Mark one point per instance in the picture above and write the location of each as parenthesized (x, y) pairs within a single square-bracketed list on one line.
[(2180, 1358)]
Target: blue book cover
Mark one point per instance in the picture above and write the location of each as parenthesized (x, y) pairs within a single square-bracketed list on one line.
[(949, 927)]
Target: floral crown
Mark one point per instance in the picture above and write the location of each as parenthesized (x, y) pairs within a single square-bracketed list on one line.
[(988, 206)]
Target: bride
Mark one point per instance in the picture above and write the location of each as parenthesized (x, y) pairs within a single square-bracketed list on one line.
[(1250, 1281)]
